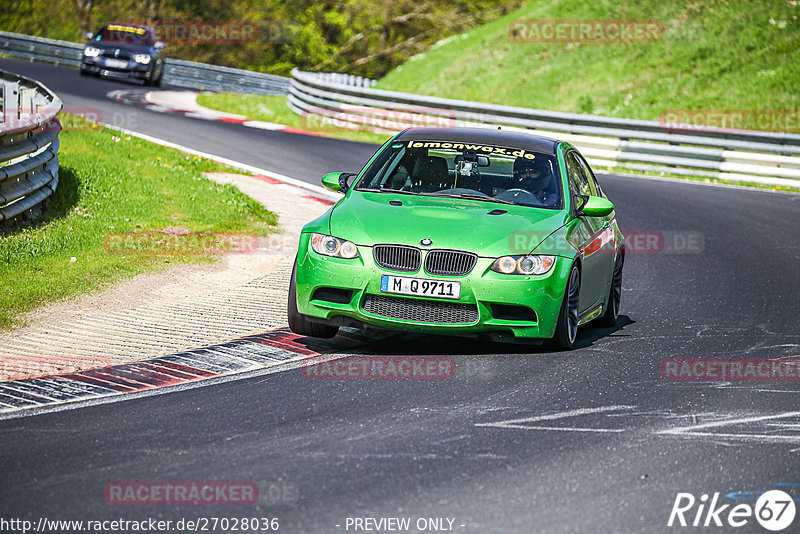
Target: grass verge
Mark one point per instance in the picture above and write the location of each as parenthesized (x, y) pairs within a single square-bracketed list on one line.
[(115, 185), (717, 55)]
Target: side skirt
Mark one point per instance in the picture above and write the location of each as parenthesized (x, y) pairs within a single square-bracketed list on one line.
[(593, 314)]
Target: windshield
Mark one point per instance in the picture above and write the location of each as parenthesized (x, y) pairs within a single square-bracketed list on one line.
[(121, 33), (504, 175)]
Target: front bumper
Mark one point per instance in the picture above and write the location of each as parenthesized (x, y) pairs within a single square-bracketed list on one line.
[(484, 290), (133, 70)]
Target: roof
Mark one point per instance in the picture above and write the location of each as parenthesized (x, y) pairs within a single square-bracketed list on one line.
[(534, 143)]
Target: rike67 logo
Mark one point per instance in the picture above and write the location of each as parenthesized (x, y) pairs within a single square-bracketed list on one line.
[(774, 510)]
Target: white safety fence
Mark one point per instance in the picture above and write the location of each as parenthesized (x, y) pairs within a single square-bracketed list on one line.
[(633, 145)]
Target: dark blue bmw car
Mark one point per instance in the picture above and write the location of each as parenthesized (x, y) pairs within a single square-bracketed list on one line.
[(126, 51)]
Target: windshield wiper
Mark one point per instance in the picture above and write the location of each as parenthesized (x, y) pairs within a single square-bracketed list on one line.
[(386, 190), (469, 196)]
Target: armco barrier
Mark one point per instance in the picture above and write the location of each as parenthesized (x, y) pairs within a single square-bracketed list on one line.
[(633, 145), (29, 130), (177, 72), (630, 145)]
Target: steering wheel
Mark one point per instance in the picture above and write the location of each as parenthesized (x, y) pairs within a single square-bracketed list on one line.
[(522, 196), (517, 191)]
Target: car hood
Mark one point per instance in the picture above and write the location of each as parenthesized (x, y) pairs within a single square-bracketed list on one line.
[(122, 47), (369, 219)]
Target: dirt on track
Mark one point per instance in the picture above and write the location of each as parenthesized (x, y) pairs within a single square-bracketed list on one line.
[(179, 308)]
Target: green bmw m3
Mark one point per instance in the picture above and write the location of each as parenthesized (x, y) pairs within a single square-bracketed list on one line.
[(493, 233)]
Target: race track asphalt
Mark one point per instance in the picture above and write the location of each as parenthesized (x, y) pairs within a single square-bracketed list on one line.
[(520, 440)]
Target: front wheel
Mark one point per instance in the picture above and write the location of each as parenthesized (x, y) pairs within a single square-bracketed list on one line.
[(299, 323), (567, 326), (150, 79)]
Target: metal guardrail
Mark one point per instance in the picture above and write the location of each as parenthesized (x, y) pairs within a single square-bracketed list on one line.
[(633, 145), (352, 101), (29, 130), (178, 72)]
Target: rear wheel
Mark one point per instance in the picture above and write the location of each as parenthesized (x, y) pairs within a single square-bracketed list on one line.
[(299, 323), (609, 318), (567, 326)]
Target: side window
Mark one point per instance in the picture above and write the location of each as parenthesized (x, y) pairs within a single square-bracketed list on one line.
[(578, 182), (587, 171)]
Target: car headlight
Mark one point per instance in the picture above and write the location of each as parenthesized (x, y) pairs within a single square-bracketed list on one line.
[(91, 51), (144, 59), (330, 246), (523, 264)]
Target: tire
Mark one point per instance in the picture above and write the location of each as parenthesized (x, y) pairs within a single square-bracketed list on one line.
[(299, 323), (156, 82), (84, 72), (150, 80), (609, 318), (567, 325)]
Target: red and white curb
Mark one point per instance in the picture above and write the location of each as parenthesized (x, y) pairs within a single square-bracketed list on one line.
[(142, 98), (251, 353)]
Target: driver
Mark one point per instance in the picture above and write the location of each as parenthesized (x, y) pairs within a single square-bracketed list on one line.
[(535, 177)]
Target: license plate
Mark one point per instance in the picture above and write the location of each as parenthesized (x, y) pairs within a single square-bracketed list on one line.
[(116, 63), (420, 287)]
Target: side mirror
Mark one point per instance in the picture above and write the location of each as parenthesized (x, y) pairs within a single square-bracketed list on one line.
[(89, 36), (595, 207), (159, 45), (337, 181)]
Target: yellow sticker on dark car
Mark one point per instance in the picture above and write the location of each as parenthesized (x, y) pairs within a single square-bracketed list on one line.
[(488, 149)]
